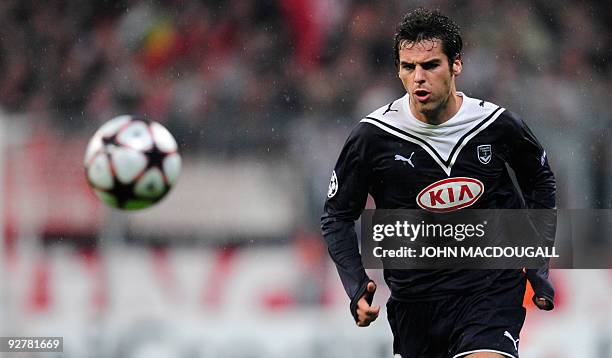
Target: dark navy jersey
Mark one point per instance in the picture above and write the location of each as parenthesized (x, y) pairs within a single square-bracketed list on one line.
[(404, 163)]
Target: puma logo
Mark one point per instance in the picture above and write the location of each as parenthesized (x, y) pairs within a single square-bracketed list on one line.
[(389, 109), (403, 159), (514, 341)]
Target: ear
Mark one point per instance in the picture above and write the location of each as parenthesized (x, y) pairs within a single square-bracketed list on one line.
[(457, 66)]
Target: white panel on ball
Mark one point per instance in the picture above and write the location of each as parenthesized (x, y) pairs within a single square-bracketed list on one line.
[(163, 139), (136, 136), (172, 167), (99, 172), (94, 146), (112, 127), (151, 185), (128, 163)]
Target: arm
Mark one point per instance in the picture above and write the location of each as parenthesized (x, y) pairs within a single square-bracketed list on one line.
[(346, 200), (537, 183), (530, 163)]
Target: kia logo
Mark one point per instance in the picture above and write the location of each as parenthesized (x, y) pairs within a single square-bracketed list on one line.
[(450, 194)]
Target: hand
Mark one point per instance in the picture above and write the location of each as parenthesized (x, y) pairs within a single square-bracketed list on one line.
[(366, 313), (542, 303), (544, 292)]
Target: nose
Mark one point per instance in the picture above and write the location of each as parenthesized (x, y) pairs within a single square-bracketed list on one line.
[(419, 75)]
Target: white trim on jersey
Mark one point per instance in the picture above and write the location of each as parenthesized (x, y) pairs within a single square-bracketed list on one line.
[(442, 142), (405, 137), (484, 350)]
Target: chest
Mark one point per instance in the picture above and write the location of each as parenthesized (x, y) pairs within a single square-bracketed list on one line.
[(403, 170)]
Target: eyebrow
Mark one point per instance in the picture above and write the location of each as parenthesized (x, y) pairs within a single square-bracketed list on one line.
[(430, 62)]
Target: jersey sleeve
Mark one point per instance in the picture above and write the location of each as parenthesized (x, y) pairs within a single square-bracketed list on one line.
[(530, 163), (346, 199), (537, 183)]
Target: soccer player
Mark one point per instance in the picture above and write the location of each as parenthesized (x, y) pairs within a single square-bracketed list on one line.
[(433, 133)]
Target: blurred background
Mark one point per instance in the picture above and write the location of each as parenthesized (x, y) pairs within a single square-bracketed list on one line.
[(260, 96)]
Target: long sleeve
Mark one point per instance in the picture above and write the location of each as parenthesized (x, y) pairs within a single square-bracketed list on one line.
[(530, 162), (345, 202), (537, 183)]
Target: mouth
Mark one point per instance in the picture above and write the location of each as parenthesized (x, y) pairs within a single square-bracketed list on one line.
[(421, 95)]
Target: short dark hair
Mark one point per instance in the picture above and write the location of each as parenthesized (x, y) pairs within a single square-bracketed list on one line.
[(423, 24)]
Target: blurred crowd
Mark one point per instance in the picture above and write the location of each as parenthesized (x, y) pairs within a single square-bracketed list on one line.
[(232, 74), (227, 76), (284, 78)]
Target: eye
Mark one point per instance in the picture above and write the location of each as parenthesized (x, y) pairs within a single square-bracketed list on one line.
[(408, 66), (430, 65)]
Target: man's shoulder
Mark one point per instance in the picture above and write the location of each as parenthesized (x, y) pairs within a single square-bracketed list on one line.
[(477, 104), (368, 126), (511, 118), (508, 121), (476, 107), (377, 122), (363, 132), (505, 119), (391, 109)]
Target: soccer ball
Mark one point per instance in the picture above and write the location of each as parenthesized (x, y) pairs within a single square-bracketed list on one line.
[(131, 163)]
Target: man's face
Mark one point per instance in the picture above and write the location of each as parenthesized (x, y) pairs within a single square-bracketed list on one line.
[(428, 77)]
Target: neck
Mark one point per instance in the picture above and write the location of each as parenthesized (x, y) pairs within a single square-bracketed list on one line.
[(442, 113)]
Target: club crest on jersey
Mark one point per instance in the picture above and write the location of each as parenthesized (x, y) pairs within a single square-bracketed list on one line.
[(484, 153), (450, 194), (333, 185)]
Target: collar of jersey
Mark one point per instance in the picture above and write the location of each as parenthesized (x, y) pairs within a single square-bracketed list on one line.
[(405, 103), (442, 142)]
